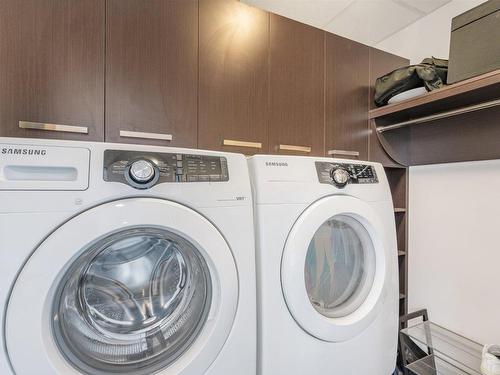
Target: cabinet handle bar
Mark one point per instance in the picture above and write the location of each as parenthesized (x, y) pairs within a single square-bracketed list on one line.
[(306, 149), (143, 135), (53, 127), (343, 152), (232, 142)]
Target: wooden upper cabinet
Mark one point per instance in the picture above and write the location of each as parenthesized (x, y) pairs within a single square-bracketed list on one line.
[(234, 82), (297, 71), (52, 68), (152, 71), (347, 89), (380, 63)]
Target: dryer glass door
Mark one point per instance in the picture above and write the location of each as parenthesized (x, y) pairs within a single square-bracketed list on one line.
[(339, 267), (136, 286), (333, 270)]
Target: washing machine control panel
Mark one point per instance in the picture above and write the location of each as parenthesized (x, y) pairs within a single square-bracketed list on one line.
[(341, 174), (143, 170)]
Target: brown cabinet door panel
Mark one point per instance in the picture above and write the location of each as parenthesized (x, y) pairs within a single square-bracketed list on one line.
[(152, 71), (52, 67), (234, 83), (297, 63), (346, 123)]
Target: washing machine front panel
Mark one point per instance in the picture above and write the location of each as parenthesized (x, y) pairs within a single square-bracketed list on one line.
[(134, 286), (333, 270)]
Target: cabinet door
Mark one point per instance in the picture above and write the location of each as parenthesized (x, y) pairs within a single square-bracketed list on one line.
[(152, 71), (346, 123), (297, 63), (52, 68), (380, 63), (233, 91)]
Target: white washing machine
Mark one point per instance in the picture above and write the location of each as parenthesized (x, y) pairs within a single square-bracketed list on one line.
[(327, 280), (123, 259)]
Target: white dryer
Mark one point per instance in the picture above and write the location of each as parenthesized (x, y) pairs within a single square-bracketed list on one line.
[(125, 259), (327, 280)]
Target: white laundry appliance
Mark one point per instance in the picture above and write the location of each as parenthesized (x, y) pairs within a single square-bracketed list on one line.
[(123, 259), (327, 280)]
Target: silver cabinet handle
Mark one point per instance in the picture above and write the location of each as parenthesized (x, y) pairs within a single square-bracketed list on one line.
[(294, 148), (159, 136), (344, 153), (232, 142), (53, 127)]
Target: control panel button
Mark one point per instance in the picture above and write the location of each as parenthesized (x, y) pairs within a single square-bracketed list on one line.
[(142, 171), (340, 177)]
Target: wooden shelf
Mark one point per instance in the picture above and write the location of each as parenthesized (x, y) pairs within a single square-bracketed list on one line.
[(402, 296), (486, 87), (401, 253), (456, 123), (399, 210)]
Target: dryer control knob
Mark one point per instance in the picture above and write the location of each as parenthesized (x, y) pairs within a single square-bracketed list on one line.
[(142, 171), (340, 177)]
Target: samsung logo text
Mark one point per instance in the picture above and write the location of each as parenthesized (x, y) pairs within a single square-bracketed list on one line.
[(23, 151), (276, 164)]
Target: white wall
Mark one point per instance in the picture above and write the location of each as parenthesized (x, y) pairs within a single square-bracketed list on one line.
[(429, 36), (454, 213), (454, 251)]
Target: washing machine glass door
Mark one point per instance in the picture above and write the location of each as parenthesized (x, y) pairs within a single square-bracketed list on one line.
[(136, 286), (334, 268)]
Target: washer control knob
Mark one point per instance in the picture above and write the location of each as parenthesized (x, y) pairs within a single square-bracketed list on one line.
[(340, 177), (142, 171)]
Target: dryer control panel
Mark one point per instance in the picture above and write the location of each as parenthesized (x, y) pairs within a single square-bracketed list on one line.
[(341, 174), (143, 170)]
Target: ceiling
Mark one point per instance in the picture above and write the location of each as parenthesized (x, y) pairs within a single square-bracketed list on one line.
[(366, 21)]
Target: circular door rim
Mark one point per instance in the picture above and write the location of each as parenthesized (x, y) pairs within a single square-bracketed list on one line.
[(293, 269), (29, 331)]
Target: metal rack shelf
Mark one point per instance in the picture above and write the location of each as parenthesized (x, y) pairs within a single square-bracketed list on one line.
[(452, 353), (433, 365)]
